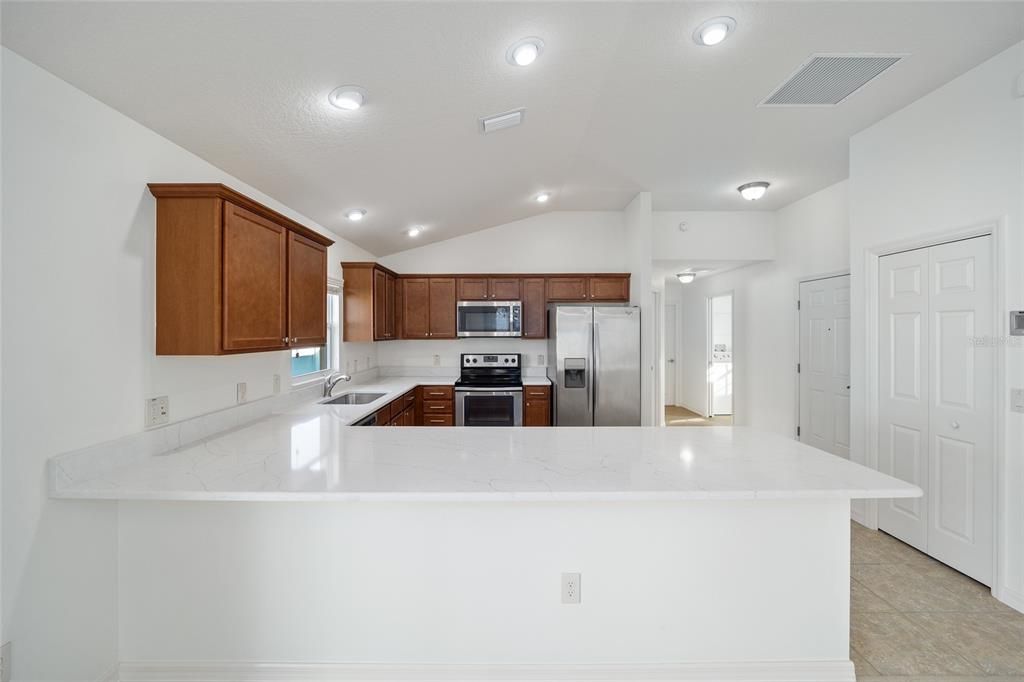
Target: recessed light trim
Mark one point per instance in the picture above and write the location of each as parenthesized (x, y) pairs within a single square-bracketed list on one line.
[(524, 52), (355, 214), (543, 197), (348, 97), (686, 277), (752, 191), (714, 31)]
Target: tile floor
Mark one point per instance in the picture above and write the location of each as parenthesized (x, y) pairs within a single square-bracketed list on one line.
[(914, 619), (680, 416)]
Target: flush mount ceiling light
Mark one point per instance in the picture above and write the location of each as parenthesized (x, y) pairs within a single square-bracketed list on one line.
[(752, 191), (686, 277), (543, 197), (524, 52), (355, 214), (348, 97), (415, 230), (714, 31)]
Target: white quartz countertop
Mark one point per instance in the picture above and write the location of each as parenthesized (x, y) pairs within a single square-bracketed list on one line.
[(311, 453)]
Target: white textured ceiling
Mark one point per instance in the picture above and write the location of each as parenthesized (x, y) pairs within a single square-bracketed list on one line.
[(620, 101)]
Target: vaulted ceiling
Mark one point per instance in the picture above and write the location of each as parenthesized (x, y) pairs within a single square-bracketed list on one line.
[(621, 99)]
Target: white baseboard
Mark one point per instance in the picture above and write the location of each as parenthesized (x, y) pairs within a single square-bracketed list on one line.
[(1012, 598), (770, 671)]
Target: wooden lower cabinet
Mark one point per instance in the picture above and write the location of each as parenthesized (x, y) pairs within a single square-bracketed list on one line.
[(435, 406), (438, 420), (536, 406)]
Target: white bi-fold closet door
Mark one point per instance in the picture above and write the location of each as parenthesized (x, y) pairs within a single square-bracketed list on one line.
[(935, 400), (825, 364)]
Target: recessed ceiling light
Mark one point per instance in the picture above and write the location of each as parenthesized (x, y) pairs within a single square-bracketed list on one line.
[(714, 31), (752, 191), (524, 52), (415, 230), (543, 197), (348, 97), (355, 214), (686, 277)]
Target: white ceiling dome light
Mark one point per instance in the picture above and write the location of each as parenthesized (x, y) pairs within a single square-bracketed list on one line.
[(686, 277), (752, 191), (348, 97), (543, 197), (355, 214), (415, 230), (524, 52), (714, 31)]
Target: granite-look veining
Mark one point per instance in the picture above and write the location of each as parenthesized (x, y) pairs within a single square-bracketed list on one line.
[(312, 453)]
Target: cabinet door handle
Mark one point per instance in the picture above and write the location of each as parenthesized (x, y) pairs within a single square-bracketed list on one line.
[(295, 339), (284, 340)]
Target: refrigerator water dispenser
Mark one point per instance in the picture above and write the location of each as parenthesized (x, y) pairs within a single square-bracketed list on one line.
[(575, 373)]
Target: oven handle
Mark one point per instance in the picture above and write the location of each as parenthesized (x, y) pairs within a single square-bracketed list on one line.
[(491, 391)]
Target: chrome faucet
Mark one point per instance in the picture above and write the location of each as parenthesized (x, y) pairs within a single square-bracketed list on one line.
[(332, 380)]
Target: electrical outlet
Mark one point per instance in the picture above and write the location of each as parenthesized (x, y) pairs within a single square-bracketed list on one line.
[(540, 359), (158, 411), (5, 662), (277, 383), (1017, 399), (570, 588), (437, 361), (241, 392)]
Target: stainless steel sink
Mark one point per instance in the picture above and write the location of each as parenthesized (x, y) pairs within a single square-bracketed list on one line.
[(352, 399)]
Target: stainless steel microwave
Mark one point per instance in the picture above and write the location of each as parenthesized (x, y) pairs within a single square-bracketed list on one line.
[(489, 318)]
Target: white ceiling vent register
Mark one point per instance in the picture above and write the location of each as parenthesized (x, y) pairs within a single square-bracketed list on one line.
[(825, 80), (509, 119)]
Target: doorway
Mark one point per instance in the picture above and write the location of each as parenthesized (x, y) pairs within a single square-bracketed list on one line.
[(824, 364), (936, 400), (720, 356), (670, 349)]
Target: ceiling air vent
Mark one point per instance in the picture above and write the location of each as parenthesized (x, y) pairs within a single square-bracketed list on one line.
[(825, 80), (509, 119)]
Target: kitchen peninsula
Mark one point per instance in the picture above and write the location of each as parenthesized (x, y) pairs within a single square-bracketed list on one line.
[(710, 552)]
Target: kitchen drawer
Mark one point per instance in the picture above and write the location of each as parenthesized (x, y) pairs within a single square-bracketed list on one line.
[(438, 392), (438, 420), (408, 400), (537, 392), (437, 407)]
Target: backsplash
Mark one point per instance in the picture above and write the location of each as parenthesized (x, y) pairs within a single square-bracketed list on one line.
[(424, 354)]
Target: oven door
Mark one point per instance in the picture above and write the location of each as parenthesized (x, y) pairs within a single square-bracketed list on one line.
[(489, 318), (487, 407)]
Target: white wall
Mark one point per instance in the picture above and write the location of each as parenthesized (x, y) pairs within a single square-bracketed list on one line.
[(78, 362), (715, 235), (560, 241), (811, 238), (949, 161)]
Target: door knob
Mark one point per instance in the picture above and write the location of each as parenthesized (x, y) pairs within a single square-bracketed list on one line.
[(955, 424)]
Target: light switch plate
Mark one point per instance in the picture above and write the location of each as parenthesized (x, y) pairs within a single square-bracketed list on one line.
[(158, 411), (1017, 399), (241, 392)]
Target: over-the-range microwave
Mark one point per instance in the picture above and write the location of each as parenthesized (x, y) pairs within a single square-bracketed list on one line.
[(489, 318)]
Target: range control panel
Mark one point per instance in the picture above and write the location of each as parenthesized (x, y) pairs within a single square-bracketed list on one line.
[(500, 360)]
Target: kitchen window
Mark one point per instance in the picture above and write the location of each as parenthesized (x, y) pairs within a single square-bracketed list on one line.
[(311, 363)]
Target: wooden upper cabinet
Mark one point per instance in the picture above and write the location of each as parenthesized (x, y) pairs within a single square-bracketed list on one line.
[(609, 288), (505, 288), (370, 312), (473, 289), (535, 315), (234, 276), (415, 307), (307, 282), (567, 289), (442, 308), (255, 285)]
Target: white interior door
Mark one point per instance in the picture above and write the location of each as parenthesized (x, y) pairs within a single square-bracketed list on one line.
[(670, 354), (825, 364), (720, 356), (936, 400)]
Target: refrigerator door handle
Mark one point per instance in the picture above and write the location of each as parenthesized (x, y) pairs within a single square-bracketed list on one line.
[(596, 338)]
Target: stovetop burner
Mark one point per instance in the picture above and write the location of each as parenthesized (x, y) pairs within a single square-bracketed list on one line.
[(500, 370)]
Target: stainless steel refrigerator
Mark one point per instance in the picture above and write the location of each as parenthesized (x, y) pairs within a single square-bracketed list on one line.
[(594, 364)]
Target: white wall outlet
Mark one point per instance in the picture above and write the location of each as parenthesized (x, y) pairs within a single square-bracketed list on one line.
[(1017, 399), (5, 662), (241, 392), (540, 359), (570, 588), (277, 383), (437, 360), (158, 411)]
